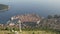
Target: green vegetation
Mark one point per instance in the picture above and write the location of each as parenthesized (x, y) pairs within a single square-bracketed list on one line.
[(3, 7), (53, 16), (49, 16), (44, 30), (29, 32)]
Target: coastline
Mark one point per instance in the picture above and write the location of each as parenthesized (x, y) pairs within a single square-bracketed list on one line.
[(5, 9)]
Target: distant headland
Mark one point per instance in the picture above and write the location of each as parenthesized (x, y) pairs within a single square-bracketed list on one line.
[(3, 7)]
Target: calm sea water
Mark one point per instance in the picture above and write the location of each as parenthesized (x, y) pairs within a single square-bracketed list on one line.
[(40, 7)]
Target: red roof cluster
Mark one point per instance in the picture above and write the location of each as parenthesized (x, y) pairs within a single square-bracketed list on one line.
[(27, 18)]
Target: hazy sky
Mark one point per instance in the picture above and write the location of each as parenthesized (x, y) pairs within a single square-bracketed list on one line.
[(30, 1)]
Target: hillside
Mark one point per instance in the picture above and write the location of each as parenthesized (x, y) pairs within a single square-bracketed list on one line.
[(29, 32), (30, 21)]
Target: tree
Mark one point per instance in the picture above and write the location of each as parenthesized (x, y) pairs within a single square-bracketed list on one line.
[(7, 28), (55, 16), (33, 33), (49, 17)]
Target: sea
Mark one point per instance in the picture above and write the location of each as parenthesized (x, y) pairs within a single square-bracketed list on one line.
[(41, 7)]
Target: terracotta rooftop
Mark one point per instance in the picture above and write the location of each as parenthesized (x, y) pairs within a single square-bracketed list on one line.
[(27, 18)]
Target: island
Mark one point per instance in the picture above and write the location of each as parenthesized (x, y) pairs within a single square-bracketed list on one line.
[(3, 7)]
